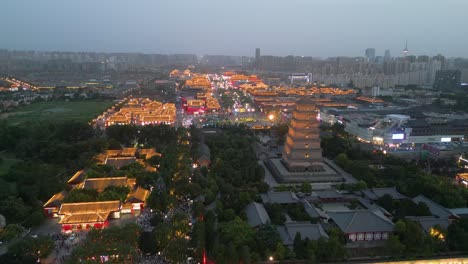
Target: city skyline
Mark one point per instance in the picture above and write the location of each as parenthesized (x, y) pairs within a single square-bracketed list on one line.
[(305, 29)]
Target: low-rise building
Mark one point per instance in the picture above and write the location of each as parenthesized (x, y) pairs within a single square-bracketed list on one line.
[(362, 225), (83, 216), (288, 232), (256, 215)]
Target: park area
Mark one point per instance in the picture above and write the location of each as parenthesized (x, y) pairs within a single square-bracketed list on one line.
[(57, 111)]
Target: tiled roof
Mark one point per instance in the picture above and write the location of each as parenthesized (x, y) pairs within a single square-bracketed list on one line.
[(100, 184), (435, 208), (78, 177), (256, 214), (128, 152), (279, 197), (427, 222), (55, 200), (306, 229), (89, 207), (379, 192), (119, 162), (84, 218), (361, 221), (139, 195)]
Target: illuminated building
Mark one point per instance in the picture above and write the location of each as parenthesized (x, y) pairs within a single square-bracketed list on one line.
[(302, 147), (462, 179), (143, 111), (302, 155), (195, 107)]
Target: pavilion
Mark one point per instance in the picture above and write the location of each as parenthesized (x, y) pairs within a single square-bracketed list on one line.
[(83, 216)]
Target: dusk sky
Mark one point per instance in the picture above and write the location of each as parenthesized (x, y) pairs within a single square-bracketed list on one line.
[(297, 27)]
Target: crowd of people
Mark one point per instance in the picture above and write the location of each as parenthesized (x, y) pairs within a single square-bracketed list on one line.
[(143, 220), (64, 244)]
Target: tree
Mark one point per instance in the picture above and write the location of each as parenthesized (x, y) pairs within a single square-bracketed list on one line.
[(236, 232), (14, 209), (457, 235), (306, 187), (394, 247), (148, 243), (39, 247), (299, 246), (176, 250), (119, 242), (280, 251), (266, 239), (412, 237), (275, 211), (162, 235), (10, 232)]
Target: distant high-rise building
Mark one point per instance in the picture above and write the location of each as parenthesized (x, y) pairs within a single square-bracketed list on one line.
[(432, 68), (257, 57), (387, 56), (447, 80), (411, 58), (464, 76), (423, 58), (370, 54)]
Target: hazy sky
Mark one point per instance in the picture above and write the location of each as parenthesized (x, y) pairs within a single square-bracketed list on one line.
[(279, 27)]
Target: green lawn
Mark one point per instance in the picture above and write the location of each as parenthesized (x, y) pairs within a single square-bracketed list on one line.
[(57, 111)]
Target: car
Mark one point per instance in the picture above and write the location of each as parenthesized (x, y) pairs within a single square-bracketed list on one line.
[(72, 236)]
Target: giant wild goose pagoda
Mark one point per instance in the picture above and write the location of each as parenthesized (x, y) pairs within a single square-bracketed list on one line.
[(302, 159)]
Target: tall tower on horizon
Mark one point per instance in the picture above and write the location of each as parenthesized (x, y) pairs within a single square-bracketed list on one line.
[(405, 51)]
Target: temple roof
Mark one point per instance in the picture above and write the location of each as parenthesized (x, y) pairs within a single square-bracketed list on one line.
[(128, 152), (89, 207), (119, 162), (139, 195), (77, 178), (56, 200), (100, 184), (84, 218)]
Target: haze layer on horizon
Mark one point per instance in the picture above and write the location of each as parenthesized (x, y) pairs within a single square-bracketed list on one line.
[(297, 27)]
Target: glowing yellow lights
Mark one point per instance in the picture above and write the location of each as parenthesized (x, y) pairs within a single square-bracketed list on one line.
[(437, 234), (271, 117)]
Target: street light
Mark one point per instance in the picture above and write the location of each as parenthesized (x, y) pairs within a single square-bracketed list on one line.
[(271, 258), (271, 117)]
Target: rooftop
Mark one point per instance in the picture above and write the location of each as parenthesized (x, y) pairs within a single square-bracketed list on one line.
[(256, 214), (279, 197), (361, 221), (89, 207), (100, 184), (435, 208), (119, 162), (306, 229)]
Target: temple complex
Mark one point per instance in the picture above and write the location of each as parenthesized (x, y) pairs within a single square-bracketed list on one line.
[(302, 155)]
